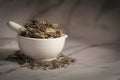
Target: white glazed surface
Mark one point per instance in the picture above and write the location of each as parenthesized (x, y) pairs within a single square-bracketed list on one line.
[(41, 49), (15, 26)]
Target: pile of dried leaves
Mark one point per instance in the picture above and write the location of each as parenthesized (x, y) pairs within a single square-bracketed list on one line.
[(62, 61), (42, 29)]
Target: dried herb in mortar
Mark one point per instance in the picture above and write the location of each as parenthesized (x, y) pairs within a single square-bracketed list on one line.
[(62, 61), (36, 28)]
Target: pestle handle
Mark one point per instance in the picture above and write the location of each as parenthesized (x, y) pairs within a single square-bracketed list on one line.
[(16, 27)]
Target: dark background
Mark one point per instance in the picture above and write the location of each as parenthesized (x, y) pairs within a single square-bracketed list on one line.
[(92, 20)]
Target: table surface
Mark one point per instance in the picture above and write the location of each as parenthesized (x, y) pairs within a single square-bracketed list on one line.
[(98, 61)]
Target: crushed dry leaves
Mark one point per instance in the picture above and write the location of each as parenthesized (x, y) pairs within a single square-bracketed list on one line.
[(62, 61), (36, 28)]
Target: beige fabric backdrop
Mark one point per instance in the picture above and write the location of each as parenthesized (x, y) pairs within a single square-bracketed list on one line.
[(92, 20)]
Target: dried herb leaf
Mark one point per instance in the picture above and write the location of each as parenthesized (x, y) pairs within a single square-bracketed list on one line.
[(36, 28), (62, 61)]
